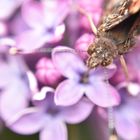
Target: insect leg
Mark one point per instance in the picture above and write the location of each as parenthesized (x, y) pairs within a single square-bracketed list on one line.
[(124, 66), (89, 17)]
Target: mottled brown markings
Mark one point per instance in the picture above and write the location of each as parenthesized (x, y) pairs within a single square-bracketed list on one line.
[(116, 34)]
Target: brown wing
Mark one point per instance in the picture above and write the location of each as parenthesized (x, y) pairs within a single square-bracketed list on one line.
[(108, 6), (120, 12)]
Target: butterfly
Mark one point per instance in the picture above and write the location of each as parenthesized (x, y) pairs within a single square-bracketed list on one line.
[(116, 33)]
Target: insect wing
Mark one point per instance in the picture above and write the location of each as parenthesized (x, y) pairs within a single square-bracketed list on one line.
[(119, 13)]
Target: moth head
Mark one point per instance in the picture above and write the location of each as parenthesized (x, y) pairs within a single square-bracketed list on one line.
[(102, 52)]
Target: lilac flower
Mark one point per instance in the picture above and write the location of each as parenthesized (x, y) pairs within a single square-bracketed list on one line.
[(46, 72), (80, 82), (13, 87), (127, 117), (45, 22), (82, 44), (48, 118)]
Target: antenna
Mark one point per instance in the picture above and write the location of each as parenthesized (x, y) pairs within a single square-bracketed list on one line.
[(111, 119)]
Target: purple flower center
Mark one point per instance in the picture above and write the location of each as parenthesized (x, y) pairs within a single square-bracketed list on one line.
[(51, 108), (53, 111), (84, 78), (50, 30)]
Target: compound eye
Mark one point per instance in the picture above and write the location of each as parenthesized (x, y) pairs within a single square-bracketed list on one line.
[(107, 62), (91, 49), (92, 62)]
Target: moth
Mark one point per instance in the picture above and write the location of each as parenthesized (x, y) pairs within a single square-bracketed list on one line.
[(116, 34)]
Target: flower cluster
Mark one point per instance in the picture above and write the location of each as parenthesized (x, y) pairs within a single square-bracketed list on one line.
[(44, 81)]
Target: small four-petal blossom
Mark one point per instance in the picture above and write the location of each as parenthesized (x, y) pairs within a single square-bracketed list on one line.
[(82, 82)]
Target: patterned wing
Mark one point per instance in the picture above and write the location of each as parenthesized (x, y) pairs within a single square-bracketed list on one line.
[(119, 13)]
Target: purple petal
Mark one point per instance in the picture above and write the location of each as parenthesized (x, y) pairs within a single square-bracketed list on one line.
[(54, 14), (7, 72), (18, 25), (8, 7), (41, 98), (15, 91), (78, 112), (32, 13), (103, 94), (11, 70), (102, 73), (28, 121), (131, 108), (82, 44), (127, 125), (66, 60), (30, 40), (55, 129), (68, 93), (3, 29), (54, 34), (5, 75)]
